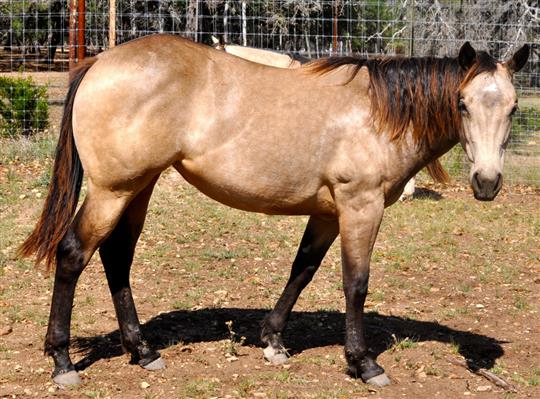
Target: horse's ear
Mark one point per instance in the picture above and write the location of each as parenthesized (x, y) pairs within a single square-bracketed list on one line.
[(215, 41), (519, 59), (467, 56)]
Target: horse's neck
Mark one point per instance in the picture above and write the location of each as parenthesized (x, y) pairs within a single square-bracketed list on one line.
[(416, 156)]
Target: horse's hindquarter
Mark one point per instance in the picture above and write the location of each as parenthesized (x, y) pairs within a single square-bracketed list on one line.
[(128, 108), (252, 137)]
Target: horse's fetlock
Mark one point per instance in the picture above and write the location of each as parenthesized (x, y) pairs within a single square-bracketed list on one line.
[(60, 355), (271, 323), (144, 354), (362, 365), (271, 337)]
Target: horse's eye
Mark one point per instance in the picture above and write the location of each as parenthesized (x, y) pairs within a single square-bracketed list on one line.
[(514, 110), (462, 107)]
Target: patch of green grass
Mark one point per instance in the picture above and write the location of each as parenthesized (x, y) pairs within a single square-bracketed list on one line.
[(425, 288), (465, 288), (518, 378), (339, 393), (433, 371), (233, 342), (199, 389), (245, 386), (534, 381), (520, 303), (402, 343), (39, 147), (455, 347), (497, 369), (398, 282), (451, 313), (377, 295), (89, 300), (97, 393), (182, 305), (282, 376)]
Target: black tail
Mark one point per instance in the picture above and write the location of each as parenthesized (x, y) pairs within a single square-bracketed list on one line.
[(64, 188)]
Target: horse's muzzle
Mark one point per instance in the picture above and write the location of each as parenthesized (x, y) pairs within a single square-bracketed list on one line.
[(486, 188)]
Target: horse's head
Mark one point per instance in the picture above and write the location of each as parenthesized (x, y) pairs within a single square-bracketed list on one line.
[(487, 101)]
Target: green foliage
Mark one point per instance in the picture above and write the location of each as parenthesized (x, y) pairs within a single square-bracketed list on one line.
[(23, 107), (372, 19)]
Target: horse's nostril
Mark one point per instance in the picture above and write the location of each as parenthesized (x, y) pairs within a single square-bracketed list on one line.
[(498, 182), (476, 180)]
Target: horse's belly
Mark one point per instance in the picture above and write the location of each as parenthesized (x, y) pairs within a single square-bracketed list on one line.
[(248, 190)]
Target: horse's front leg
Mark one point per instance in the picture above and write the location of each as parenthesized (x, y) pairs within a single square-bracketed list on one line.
[(318, 237), (359, 222)]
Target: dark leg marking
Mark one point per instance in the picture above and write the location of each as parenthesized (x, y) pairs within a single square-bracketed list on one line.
[(70, 264), (361, 363), (117, 256), (318, 237)]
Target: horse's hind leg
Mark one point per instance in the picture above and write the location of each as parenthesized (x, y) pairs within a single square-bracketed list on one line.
[(117, 255), (94, 221), (318, 237)]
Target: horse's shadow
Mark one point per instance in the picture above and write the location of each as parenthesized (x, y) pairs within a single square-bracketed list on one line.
[(305, 330), (426, 193)]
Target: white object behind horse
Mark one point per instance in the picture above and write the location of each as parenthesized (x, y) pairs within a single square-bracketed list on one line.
[(265, 57), (409, 190)]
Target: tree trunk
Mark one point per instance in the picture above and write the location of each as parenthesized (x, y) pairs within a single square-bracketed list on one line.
[(55, 36), (192, 23), (112, 23)]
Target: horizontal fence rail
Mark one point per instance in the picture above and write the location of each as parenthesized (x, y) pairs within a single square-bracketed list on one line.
[(41, 38)]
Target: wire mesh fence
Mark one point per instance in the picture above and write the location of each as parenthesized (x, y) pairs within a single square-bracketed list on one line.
[(36, 41)]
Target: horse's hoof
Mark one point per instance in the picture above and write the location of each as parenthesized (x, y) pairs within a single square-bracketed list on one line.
[(154, 365), (68, 379), (379, 381), (275, 356)]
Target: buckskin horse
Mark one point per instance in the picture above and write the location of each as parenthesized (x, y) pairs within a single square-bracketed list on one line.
[(336, 139)]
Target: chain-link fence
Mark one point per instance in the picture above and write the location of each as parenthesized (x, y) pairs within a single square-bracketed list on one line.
[(36, 40)]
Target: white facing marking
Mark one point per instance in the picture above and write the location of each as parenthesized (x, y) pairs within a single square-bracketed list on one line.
[(493, 87)]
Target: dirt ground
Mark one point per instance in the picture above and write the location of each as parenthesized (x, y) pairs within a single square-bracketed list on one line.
[(452, 279)]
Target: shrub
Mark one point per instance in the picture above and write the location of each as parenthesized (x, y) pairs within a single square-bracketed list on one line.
[(23, 107)]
